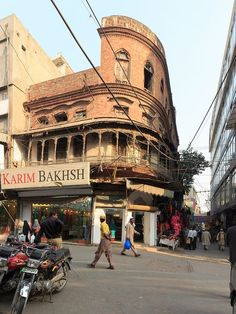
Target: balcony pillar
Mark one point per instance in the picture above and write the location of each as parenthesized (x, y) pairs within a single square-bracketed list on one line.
[(84, 146), (29, 152), (99, 144), (68, 148), (42, 152), (55, 150), (117, 144)]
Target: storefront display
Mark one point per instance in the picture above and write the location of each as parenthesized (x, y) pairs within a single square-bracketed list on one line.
[(75, 214), (170, 224), (114, 220), (7, 218), (113, 207)]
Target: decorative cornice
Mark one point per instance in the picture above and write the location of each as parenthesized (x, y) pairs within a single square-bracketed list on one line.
[(117, 31), (119, 91)]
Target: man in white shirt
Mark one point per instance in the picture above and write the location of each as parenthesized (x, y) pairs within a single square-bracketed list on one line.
[(130, 231)]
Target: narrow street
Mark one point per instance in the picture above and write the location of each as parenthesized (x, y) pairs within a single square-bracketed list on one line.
[(160, 281)]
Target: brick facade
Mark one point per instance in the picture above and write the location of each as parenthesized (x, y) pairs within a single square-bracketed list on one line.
[(84, 105)]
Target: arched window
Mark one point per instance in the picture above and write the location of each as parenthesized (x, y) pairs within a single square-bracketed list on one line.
[(122, 65), (43, 120), (148, 76), (162, 86)]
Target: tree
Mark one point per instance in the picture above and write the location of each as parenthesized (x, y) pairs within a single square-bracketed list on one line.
[(191, 163)]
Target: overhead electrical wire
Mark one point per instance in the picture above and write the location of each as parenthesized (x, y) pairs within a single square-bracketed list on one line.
[(103, 81), (101, 78), (114, 53), (5, 33), (213, 101)]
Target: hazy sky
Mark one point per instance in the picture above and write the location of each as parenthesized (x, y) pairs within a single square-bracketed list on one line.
[(193, 33)]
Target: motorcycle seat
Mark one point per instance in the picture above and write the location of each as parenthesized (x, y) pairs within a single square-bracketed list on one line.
[(37, 253), (42, 246), (59, 255), (7, 251)]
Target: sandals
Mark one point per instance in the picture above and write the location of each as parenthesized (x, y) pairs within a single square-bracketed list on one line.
[(111, 267), (91, 265)]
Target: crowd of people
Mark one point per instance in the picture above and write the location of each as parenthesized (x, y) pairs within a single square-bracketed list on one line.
[(179, 225), (202, 235)]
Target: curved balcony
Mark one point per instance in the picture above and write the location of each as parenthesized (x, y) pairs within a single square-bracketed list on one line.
[(104, 150)]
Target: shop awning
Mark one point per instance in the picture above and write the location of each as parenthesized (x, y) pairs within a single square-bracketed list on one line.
[(109, 201), (149, 189), (141, 208), (61, 192)]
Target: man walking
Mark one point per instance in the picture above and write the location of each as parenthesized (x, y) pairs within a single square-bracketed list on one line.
[(130, 231), (52, 228), (206, 239), (104, 245)]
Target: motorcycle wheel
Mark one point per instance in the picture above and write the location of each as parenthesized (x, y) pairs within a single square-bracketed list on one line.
[(19, 305), (62, 283)]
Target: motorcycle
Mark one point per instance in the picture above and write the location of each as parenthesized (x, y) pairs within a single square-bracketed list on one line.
[(12, 259), (46, 272)]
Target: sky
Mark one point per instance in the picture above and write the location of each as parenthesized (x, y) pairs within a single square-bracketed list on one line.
[(193, 33)]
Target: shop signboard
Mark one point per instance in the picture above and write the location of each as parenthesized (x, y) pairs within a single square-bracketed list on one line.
[(46, 176)]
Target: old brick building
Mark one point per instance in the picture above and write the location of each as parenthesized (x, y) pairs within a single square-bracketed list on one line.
[(130, 142)]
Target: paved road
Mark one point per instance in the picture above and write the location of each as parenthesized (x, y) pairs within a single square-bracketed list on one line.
[(160, 281)]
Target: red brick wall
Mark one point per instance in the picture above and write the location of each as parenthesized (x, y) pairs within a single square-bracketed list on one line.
[(63, 85), (141, 50)]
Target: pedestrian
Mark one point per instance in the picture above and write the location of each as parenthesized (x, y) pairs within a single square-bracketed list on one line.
[(52, 228), (130, 231), (26, 230), (199, 233), (206, 239), (231, 241), (35, 227), (104, 245), (35, 230), (194, 238), (185, 238), (221, 239), (190, 238)]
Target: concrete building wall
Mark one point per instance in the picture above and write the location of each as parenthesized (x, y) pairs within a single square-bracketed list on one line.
[(22, 63)]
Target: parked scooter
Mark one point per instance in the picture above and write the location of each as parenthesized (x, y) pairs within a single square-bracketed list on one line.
[(46, 272)]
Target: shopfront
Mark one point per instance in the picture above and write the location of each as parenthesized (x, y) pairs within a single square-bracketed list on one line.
[(64, 188), (113, 207), (7, 218), (75, 214)]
